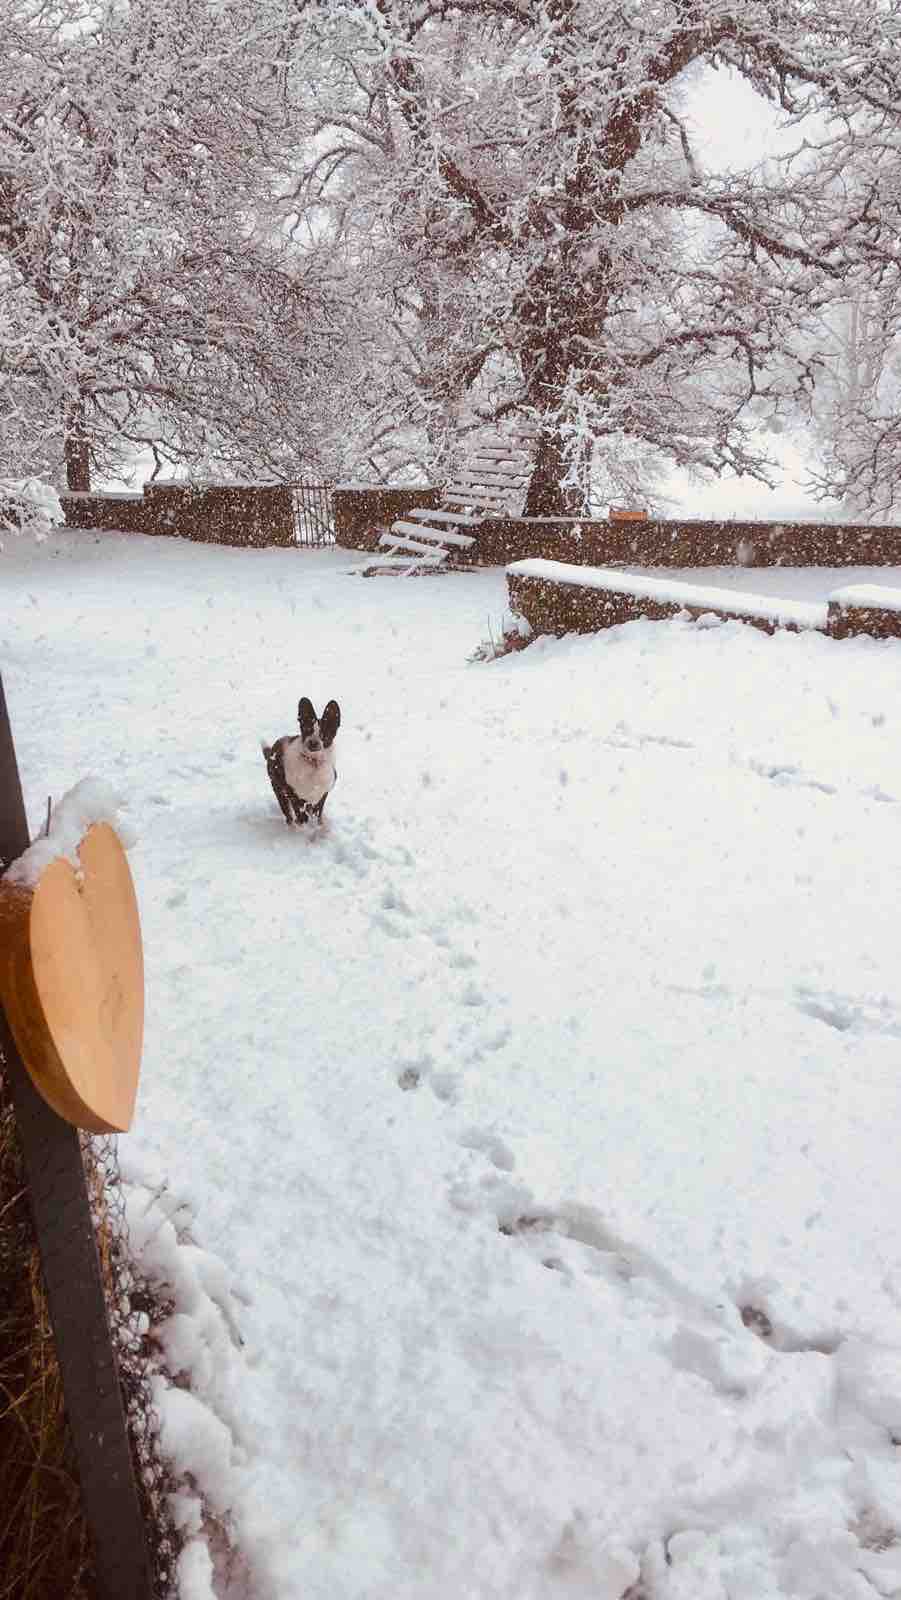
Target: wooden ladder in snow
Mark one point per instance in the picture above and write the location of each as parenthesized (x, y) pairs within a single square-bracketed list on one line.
[(494, 482)]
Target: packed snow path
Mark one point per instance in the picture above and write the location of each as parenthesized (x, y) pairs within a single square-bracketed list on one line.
[(543, 1105)]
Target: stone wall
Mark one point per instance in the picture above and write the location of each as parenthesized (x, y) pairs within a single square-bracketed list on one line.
[(262, 514), (129, 513), (362, 514), (254, 515), (648, 543), (557, 602)]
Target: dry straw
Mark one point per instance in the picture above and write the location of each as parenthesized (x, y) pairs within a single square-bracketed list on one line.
[(44, 1547), (45, 1551)]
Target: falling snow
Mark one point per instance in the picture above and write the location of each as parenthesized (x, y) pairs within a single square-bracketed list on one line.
[(534, 1119)]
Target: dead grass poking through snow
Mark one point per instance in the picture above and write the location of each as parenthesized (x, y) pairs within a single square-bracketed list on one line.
[(44, 1548), (513, 633)]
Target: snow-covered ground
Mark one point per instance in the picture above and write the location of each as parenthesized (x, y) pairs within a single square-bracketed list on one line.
[(543, 1107)]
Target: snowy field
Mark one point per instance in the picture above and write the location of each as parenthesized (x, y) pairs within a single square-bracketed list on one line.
[(535, 1122)]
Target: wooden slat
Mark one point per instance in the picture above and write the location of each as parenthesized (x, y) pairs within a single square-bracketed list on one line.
[(492, 481), (495, 475), (468, 485), (389, 542), (503, 447), (416, 530), (488, 453), (472, 472), (491, 499), (455, 517), (498, 463), (401, 562), (440, 535), (489, 492), (471, 479), (485, 453), (506, 463)]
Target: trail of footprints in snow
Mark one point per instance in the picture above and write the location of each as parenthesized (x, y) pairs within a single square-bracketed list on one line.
[(849, 1014), (846, 1013), (472, 1031), (789, 776), (710, 1340), (716, 1342), (784, 774)]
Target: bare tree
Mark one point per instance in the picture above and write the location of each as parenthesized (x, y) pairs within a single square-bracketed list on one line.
[(149, 297), (545, 239), (855, 421), (857, 411)]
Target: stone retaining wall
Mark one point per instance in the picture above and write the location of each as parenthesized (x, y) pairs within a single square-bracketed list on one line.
[(558, 602)]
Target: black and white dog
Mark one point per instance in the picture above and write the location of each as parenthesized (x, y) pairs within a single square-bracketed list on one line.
[(302, 769)]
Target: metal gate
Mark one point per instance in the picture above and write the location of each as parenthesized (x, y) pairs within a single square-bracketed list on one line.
[(311, 504)]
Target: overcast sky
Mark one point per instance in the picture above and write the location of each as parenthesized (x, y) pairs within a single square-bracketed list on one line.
[(735, 127)]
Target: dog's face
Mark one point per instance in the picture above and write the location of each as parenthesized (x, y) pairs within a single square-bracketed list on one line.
[(317, 734)]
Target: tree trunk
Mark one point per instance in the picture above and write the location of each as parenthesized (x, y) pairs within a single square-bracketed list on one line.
[(77, 451), (546, 496)]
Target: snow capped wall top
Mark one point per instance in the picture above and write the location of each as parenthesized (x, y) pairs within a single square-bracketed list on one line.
[(802, 613), (867, 594)]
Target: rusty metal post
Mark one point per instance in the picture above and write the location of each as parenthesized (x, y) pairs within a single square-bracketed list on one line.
[(64, 1226)]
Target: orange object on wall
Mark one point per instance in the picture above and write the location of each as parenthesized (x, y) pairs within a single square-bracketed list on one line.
[(72, 982)]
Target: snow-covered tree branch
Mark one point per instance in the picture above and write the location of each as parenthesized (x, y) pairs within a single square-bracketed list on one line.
[(536, 213), (149, 295)]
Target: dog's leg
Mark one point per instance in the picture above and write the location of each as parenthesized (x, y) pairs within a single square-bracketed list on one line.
[(283, 796), (272, 757), (321, 806), (284, 800)]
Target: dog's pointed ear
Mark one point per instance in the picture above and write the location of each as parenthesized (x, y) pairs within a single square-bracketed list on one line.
[(306, 716), (330, 722)]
